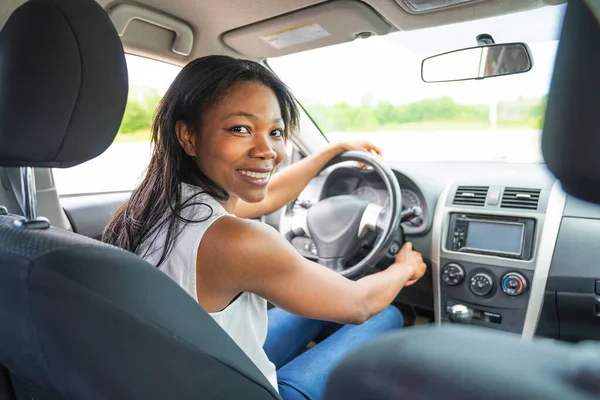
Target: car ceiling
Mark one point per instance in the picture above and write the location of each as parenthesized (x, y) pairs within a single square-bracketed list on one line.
[(210, 20)]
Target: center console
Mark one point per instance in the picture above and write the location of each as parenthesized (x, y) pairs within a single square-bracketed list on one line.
[(492, 249)]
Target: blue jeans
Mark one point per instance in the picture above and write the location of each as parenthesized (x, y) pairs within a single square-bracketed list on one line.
[(304, 376)]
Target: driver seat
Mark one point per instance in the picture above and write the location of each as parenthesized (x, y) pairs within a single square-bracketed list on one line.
[(79, 318)]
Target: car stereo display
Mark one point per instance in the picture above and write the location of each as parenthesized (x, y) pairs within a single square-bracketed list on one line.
[(493, 235)]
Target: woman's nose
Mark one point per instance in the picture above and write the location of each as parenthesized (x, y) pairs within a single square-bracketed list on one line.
[(263, 148)]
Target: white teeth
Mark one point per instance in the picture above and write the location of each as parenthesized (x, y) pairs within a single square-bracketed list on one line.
[(258, 175)]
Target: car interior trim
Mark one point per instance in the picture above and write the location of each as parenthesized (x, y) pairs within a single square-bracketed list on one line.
[(436, 245), (547, 243)]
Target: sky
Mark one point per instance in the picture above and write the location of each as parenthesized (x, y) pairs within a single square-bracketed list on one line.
[(389, 67)]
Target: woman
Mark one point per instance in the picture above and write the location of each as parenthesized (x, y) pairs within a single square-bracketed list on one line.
[(219, 133)]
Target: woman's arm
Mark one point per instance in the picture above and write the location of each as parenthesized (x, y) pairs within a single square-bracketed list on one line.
[(238, 255), (286, 185)]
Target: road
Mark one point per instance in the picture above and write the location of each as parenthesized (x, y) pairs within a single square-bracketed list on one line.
[(120, 167)]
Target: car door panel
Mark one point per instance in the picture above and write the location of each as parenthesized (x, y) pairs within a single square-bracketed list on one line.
[(89, 214)]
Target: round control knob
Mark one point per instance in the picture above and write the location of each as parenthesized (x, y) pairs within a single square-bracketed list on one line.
[(460, 313), (481, 284), (513, 284), (453, 274)]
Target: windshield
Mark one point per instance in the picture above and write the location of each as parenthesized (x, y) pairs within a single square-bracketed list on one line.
[(372, 89)]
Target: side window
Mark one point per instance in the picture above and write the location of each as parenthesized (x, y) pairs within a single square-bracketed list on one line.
[(120, 167)]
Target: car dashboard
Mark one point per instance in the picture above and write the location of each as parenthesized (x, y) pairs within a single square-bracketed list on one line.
[(498, 237), (366, 184)]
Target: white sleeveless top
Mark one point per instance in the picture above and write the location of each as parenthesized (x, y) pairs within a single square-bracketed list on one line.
[(245, 319)]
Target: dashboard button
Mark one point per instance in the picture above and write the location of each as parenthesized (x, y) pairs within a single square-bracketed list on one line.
[(453, 274), (493, 197), (513, 284), (481, 284)]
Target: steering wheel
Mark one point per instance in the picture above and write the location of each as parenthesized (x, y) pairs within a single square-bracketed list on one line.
[(339, 225)]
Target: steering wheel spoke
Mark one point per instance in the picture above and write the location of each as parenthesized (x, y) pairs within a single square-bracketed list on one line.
[(370, 220), (300, 223), (384, 220), (335, 264)]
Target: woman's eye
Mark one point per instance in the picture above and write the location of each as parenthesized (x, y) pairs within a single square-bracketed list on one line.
[(239, 129), (277, 133)]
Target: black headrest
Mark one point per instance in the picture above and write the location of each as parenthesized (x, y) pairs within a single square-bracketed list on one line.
[(571, 138), (63, 84)]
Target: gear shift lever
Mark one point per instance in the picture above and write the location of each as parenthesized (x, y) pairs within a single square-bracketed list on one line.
[(460, 313)]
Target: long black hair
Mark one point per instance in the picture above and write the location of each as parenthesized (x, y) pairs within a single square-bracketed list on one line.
[(157, 201)]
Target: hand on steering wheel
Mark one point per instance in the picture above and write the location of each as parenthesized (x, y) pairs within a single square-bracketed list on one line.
[(362, 145)]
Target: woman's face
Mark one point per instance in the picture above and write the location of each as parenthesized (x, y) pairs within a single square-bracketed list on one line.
[(240, 141)]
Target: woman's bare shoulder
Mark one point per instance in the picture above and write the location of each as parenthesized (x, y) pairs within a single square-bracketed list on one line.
[(239, 232), (233, 243)]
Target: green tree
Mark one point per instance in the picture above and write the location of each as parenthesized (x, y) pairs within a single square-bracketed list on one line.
[(141, 105), (386, 114), (343, 117)]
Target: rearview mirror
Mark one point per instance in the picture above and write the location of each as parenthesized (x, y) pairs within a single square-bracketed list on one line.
[(477, 63)]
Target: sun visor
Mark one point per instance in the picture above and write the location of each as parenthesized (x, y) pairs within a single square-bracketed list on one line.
[(322, 25)]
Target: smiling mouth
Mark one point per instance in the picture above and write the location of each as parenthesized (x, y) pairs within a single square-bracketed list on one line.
[(252, 174), (254, 177)]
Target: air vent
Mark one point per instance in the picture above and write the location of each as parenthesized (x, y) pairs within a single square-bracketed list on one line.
[(470, 195), (526, 199)]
